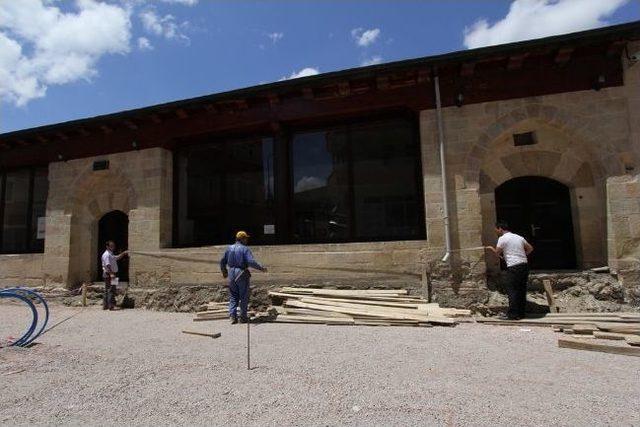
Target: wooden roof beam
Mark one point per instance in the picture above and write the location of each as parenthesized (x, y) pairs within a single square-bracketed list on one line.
[(106, 128), (467, 69), (307, 93), (515, 61), (563, 56), (63, 136), (131, 124), (210, 108), (382, 82), (615, 48), (344, 88), (273, 99), (42, 139)]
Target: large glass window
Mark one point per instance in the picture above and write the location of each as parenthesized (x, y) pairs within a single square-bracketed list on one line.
[(350, 183), (224, 187), (357, 183), (321, 208), (23, 198)]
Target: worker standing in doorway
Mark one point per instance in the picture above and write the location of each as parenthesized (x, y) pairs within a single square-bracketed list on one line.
[(109, 274), (238, 258), (514, 249)]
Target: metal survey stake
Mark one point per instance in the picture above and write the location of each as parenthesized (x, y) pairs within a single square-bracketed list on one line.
[(248, 342)]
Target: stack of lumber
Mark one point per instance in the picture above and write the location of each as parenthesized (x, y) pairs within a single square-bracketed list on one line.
[(622, 320), (212, 311), (615, 335), (372, 307)]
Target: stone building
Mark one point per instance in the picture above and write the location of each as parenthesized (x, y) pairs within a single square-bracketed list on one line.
[(339, 176)]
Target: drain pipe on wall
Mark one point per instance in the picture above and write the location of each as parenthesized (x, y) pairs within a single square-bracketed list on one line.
[(443, 170)]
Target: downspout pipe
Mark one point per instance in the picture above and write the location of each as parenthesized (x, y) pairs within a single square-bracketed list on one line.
[(443, 170)]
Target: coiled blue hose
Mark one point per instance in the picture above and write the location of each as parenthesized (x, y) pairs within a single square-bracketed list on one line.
[(26, 296)]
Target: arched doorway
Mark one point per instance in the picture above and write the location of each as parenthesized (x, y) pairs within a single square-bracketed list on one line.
[(539, 209), (114, 226)]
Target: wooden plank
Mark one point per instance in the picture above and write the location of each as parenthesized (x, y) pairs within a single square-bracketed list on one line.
[(564, 320), (586, 329), (548, 289), (579, 344), (633, 328), (313, 319), (373, 309), (203, 334), (360, 292), (610, 335), (633, 340), (365, 312)]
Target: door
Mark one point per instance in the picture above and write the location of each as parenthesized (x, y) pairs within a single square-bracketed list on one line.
[(539, 209), (114, 226)]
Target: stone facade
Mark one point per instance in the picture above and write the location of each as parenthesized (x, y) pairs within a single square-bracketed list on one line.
[(587, 140)]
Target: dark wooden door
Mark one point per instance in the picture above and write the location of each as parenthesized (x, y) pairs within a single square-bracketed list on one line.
[(539, 209), (114, 226)]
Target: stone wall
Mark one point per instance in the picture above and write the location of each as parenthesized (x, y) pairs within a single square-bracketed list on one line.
[(348, 264), (137, 183), (21, 270)]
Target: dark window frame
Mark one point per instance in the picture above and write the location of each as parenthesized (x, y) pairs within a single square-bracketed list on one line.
[(29, 248), (283, 172)]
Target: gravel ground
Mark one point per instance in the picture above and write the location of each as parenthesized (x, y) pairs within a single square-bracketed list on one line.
[(135, 367)]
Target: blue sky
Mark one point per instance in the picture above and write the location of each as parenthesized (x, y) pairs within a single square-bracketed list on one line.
[(69, 60)]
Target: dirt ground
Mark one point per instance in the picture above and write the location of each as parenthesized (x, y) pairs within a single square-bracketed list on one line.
[(136, 367)]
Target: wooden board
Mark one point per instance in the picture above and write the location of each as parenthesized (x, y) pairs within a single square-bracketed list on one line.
[(633, 328), (548, 289), (203, 334), (610, 335), (579, 344), (373, 312), (633, 340)]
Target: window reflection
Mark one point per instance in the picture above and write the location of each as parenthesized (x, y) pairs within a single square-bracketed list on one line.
[(224, 187), (320, 194)]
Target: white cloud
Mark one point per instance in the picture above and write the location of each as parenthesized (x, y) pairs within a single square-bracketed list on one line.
[(40, 45), (162, 26), (530, 19), (307, 183), (275, 37), (375, 59), (305, 72), (144, 44), (365, 37)]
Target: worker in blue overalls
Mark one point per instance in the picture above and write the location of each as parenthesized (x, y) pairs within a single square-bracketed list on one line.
[(239, 258)]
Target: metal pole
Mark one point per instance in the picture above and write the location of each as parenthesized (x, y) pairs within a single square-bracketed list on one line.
[(443, 170), (248, 342)]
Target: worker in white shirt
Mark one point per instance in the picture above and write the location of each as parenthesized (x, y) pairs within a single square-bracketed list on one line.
[(109, 273), (514, 249)]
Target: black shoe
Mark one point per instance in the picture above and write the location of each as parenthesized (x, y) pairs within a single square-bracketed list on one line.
[(233, 320), (244, 320)]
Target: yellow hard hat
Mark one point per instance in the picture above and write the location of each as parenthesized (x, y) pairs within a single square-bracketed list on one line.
[(241, 235)]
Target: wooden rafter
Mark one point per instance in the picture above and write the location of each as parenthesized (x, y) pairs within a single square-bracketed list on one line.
[(563, 56), (467, 69), (515, 61)]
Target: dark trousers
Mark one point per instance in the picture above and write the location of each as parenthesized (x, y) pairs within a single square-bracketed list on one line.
[(517, 277), (109, 299)]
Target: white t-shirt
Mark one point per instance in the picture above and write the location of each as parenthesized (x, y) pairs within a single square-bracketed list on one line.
[(108, 258), (512, 246)]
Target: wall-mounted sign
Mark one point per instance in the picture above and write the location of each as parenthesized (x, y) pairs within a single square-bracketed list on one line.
[(42, 222), (269, 229)]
